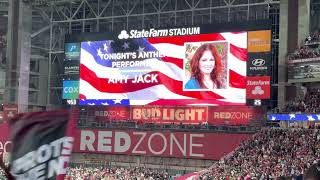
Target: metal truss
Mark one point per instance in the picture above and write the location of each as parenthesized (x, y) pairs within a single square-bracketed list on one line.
[(67, 17)]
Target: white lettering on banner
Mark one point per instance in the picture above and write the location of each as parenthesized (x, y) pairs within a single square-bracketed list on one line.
[(149, 54), (86, 140), (189, 114), (169, 114), (118, 79), (111, 114), (127, 59), (51, 157), (258, 68), (55, 164), (195, 145), (104, 143), (180, 114), (116, 56), (147, 78), (184, 31), (117, 142), (174, 139), (70, 89), (5, 147), (150, 33), (142, 143), (39, 171), (71, 67), (143, 135), (164, 147), (159, 32), (258, 82), (233, 115), (132, 63)]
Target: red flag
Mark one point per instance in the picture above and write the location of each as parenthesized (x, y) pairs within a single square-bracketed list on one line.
[(41, 144)]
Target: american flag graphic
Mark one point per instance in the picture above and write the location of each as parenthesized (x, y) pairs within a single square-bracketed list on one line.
[(96, 70)]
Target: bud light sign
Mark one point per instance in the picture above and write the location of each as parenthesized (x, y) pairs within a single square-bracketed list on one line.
[(70, 90)]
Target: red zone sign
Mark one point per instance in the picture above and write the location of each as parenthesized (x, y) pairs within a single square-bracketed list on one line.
[(234, 115), (195, 145), (110, 113)]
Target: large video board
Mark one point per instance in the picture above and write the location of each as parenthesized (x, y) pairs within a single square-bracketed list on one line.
[(152, 67), (199, 65)]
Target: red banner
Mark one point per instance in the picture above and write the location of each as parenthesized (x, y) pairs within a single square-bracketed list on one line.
[(169, 114), (234, 115), (5, 144), (164, 144), (258, 87), (106, 113)]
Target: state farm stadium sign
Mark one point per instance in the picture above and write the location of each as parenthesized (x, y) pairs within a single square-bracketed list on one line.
[(164, 144), (158, 32)]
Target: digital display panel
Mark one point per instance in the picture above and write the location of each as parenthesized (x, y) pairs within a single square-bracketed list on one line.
[(139, 69)]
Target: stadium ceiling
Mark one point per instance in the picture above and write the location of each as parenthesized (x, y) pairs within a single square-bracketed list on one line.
[(62, 11), (53, 19)]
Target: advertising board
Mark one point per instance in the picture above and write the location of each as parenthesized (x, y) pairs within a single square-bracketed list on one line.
[(193, 145), (165, 67)]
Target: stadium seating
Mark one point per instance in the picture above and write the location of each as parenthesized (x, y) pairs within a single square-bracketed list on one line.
[(310, 48), (309, 104), (115, 173), (271, 153)]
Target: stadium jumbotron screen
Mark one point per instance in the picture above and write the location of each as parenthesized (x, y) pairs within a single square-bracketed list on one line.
[(164, 67)]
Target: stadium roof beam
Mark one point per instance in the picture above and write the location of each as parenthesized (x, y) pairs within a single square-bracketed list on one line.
[(98, 16), (40, 31)]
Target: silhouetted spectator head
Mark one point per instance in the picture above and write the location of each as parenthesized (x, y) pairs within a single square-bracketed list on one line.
[(313, 173)]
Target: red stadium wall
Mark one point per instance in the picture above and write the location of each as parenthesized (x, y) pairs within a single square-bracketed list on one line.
[(194, 145)]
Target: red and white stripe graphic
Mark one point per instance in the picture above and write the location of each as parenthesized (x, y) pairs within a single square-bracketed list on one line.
[(169, 90)]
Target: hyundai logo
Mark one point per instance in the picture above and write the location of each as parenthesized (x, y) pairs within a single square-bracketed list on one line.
[(258, 62)]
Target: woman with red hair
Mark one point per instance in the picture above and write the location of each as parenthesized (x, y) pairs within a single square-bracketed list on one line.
[(205, 68)]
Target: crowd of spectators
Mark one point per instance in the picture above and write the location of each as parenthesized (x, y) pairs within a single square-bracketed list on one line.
[(305, 52), (310, 49), (3, 41), (270, 154), (313, 38), (309, 104), (116, 173)]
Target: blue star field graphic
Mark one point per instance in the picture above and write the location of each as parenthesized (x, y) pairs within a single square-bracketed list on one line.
[(98, 50), (294, 117), (104, 102)]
